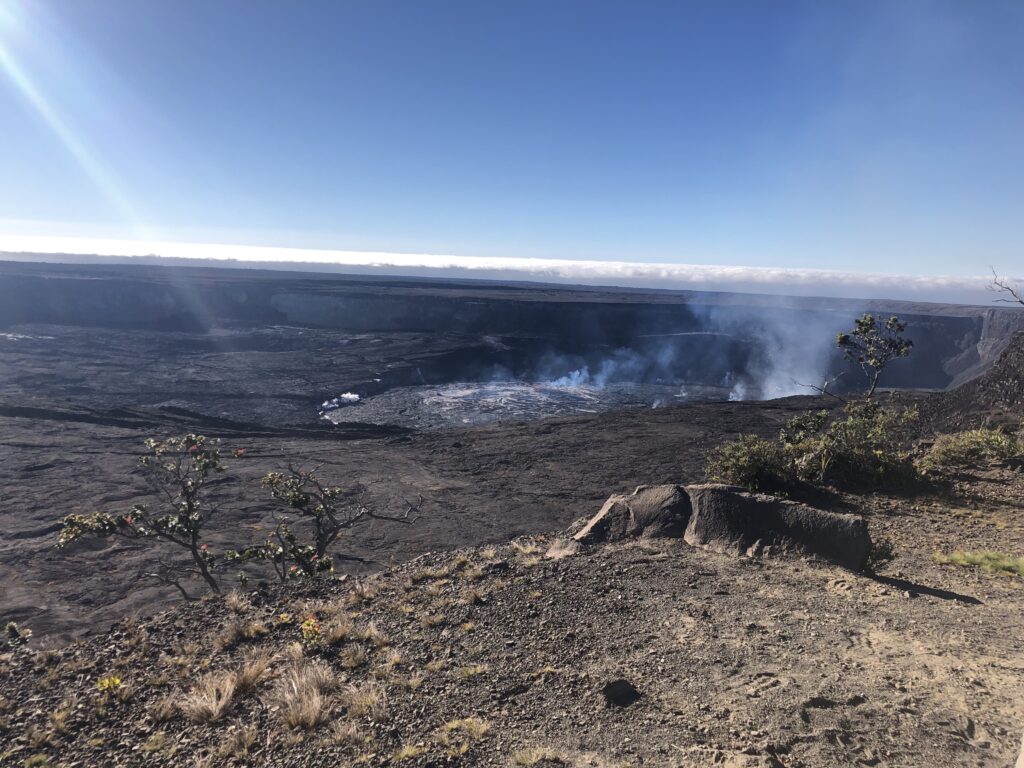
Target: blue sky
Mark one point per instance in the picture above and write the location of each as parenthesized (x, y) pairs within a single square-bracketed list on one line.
[(855, 136)]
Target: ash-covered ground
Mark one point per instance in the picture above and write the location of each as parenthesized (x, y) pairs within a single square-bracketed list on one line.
[(76, 405)]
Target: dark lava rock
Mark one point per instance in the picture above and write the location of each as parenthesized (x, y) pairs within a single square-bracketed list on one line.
[(995, 398), (620, 693), (651, 511), (732, 521)]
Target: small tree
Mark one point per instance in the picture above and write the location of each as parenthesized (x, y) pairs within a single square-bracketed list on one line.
[(178, 469), (873, 344), (328, 510)]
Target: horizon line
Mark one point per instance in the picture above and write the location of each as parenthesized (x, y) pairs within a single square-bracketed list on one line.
[(623, 274)]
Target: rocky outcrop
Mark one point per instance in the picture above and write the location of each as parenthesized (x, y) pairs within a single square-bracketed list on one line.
[(730, 520), (724, 519), (649, 512)]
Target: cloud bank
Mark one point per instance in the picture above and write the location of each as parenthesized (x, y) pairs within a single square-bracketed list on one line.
[(764, 280)]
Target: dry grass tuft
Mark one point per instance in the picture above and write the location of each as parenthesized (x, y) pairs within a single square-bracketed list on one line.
[(255, 668), (59, 718), (433, 620), (321, 675), (373, 634), (365, 700), (473, 670), (436, 589), (300, 694), (182, 656), (362, 593), (526, 546), (186, 648), (408, 752), (338, 631), (414, 682), (457, 736), (38, 738), (294, 652), (236, 632), (344, 733), (236, 602), (472, 727), (210, 699), (44, 659), (353, 657), (154, 743), (238, 743), (428, 574), (473, 597), (124, 693), (163, 710)]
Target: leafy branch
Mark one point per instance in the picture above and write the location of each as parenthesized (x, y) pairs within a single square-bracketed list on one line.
[(873, 344), (178, 470)]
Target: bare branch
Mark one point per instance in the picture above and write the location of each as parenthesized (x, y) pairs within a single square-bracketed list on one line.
[(1002, 285), (823, 389)]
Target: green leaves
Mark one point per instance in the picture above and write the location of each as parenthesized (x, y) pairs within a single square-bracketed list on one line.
[(290, 557), (864, 446), (301, 493), (76, 527), (177, 469), (972, 448), (873, 344)]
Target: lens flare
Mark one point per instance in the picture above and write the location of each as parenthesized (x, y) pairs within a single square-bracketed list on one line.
[(12, 25)]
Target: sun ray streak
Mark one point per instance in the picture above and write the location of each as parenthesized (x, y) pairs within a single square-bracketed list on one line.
[(60, 127)]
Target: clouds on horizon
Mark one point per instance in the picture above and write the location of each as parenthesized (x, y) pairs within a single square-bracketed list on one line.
[(767, 280)]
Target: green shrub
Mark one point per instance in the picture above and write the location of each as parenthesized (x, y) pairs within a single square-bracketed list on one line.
[(867, 445), (971, 448), (751, 462)]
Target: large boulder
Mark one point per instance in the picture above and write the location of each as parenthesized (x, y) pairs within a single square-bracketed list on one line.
[(651, 511), (730, 520)]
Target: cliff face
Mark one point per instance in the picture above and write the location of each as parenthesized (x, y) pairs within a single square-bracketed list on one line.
[(952, 343), (993, 398), (997, 328)]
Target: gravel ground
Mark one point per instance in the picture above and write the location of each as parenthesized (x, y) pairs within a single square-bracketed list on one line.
[(498, 656)]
